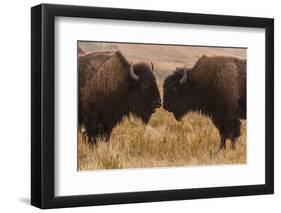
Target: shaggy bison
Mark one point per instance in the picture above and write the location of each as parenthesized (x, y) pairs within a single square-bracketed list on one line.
[(215, 86), (111, 88)]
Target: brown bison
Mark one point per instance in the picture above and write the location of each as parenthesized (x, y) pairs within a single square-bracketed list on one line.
[(111, 88), (215, 86)]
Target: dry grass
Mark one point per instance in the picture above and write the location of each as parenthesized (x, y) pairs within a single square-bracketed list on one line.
[(163, 142)]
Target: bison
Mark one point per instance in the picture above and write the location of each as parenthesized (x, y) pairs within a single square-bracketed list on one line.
[(110, 88), (215, 86)]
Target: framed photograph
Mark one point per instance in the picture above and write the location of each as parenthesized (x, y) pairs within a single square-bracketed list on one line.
[(140, 106)]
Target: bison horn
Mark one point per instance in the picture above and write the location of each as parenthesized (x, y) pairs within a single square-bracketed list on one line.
[(132, 73), (152, 66), (184, 77)]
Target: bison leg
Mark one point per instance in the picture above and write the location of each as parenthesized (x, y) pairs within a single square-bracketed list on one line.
[(232, 131), (107, 135), (233, 144), (235, 132), (104, 132), (218, 124), (91, 129), (92, 136), (223, 142)]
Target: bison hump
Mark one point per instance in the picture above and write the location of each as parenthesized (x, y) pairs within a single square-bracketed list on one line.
[(218, 76)]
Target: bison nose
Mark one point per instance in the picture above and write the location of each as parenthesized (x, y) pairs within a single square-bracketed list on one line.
[(158, 104)]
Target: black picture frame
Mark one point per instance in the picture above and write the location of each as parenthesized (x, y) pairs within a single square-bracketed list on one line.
[(43, 117)]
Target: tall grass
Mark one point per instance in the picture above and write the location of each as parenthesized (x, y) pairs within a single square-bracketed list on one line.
[(163, 142)]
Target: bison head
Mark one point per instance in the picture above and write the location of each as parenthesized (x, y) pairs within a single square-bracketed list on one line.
[(178, 93), (144, 94)]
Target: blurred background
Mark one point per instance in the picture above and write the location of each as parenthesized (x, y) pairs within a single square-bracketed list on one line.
[(164, 57)]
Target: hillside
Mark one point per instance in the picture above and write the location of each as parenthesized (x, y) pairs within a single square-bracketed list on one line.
[(165, 57)]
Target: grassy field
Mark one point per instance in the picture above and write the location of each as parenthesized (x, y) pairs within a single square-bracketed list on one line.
[(164, 141)]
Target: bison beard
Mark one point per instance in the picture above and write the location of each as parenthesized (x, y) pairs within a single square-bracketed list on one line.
[(215, 86), (111, 88)]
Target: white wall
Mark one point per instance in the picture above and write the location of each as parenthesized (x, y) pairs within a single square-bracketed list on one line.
[(15, 105)]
